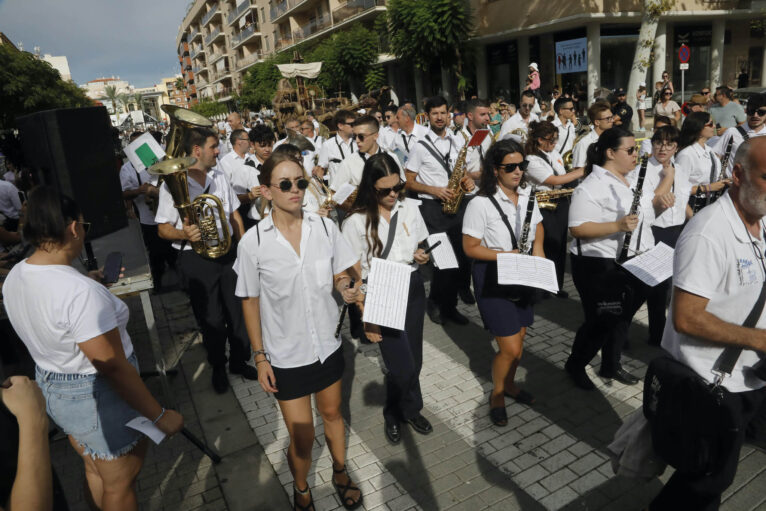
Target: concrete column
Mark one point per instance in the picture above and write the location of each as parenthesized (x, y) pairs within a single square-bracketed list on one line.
[(418, 89), (482, 78), (660, 55), (446, 88), (547, 63), (522, 45), (716, 53), (594, 59)]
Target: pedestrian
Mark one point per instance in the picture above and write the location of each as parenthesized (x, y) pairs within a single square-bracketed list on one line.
[(667, 107), (641, 105)]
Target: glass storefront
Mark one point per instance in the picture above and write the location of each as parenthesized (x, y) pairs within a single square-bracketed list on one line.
[(618, 48), (503, 69), (698, 38)]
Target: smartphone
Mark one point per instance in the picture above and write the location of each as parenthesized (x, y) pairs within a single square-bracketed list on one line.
[(112, 267)]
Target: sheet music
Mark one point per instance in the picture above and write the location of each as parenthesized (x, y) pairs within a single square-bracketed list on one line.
[(653, 266), (388, 289), (343, 193), (443, 256), (145, 426), (527, 270), (144, 152)]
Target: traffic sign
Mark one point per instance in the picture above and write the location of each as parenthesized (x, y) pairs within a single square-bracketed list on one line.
[(684, 54), (684, 67)]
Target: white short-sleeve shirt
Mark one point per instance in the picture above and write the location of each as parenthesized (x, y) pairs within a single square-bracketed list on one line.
[(215, 184), (567, 135), (387, 138), (735, 135), (429, 170), (405, 142), (10, 204), (231, 165), (53, 308), (334, 151), (350, 170), (410, 230), (700, 162), (482, 220), (715, 258), (602, 197), (681, 189), (540, 168), (515, 122), (298, 312), (130, 180), (580, 151), (474, 155)]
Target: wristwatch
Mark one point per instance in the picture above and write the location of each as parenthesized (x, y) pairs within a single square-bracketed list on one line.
[(363, 288)]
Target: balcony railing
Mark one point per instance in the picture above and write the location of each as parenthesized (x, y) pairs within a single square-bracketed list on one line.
[(238, 11), (312, 27), (246, 32), (249, 60), (215, 57), (221, 73), (212, 12), (213, 35), (354, 7), (224, 92), (278, 10), (193, 34), (196, 52), (282, 43)]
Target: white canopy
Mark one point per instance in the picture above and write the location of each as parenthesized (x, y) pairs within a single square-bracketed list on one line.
[(310, 70)]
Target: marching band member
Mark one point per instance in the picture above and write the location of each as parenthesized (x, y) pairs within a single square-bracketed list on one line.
[(564, 122), (291, 125), (287, 266), (315, 195), (601, 119), (502, 198), (598, 218), (646, 144), (338, 148), (239, 168), (697, 158), (755, 126), (546, 170), (386, 225), (477, 114), (522, 118), (409, 131), (389, 132), (428, 170), (308, 131), (262, 143)]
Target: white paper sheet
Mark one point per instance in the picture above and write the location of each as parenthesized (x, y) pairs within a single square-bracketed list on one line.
[(146, 427), (443, 256), (343, 193), (388, 286), (527, 270), (653, 266), (144, 150)]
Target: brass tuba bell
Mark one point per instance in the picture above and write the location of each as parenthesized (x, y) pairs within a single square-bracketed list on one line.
[(174, 171)]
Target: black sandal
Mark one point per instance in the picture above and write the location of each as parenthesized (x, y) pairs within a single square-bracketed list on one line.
[(342, 490), (298, 507), (523, 397), (498, 416)]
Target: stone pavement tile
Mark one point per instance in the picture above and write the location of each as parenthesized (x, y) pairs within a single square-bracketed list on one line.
[(559, 498)]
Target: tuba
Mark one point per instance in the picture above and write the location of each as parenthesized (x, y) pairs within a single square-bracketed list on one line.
[(174, 171)]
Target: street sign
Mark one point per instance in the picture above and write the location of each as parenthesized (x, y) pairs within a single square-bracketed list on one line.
[(684, 67), (684, 54)]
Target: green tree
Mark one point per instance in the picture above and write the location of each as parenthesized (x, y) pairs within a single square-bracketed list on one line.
[(209, 108), (110, 91), (29, 85)]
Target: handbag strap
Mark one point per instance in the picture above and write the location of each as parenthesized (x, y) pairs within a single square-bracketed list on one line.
[(728, 359), (505, 221), (391, 236)]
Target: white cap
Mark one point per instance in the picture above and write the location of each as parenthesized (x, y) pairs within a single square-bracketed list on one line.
[(362, 111), (533, 65), (642, 84)]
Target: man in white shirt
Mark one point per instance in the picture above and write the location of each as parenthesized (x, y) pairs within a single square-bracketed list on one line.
[(477, 115), (387, 135), (239, 168), (521, 119), (564, 121), (718, 275), (10, 204), (409, 132), (291, 125), (310, 158), (755, 126), (338, 148), (428, 170), (210, 283), (233, 122), (601, 118)]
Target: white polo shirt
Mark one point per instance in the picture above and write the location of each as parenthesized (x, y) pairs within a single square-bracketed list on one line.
[(318, 141), (602, 197), (298, 312), (580, 151), (334, 151), (350, 170), (405, 142), (244, 178), (475, 154), (645, 147), (733, 133), (231, 164), (410, 230), (516, 122), (130, 180), (429, 170), (10, 204), (567, 135), (540, 169), (215, 184), (700, 161), (681, 189), (387, 138), (483, 222), (715, 258)]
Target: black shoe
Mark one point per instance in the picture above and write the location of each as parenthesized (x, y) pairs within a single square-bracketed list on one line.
[(622, 376), (393, 432), (466, 296), (562, 294), (455, 316), (434, 314), (420, 424), (579, 377), (220, 380), (246, 371)]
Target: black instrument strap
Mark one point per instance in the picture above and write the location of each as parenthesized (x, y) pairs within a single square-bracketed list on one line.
[(712, 168), (442, 159), (566, 139), (342, 154), (391, 235), (544, 157), (514, 243), (743, 132), (406, 144)]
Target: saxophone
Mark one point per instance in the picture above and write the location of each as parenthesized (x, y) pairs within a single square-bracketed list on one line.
[(524, 246), (452, 205), (548, 199)]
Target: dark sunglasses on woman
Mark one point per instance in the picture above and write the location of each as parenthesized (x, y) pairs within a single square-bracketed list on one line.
[(510, 167), (286, 185), (383, 192)]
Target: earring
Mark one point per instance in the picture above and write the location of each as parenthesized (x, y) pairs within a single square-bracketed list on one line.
[(76, 237)]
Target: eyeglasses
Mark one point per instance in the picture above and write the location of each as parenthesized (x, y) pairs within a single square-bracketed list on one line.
[(527, 105), (361, 136), (665, 145), (286, 185), (383, 192), (458, 114), (709, 124), (85, 226), (668, 94), (705, 92), (607, 119), (566, 108), (510, 167), (761, 112), (630, 150), (551, 140)]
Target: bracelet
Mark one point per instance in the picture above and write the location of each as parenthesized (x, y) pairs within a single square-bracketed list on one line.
[(264, 360), (265, 355), (155, 421)]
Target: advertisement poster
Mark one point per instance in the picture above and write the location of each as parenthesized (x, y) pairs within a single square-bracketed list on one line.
[(572, 56)]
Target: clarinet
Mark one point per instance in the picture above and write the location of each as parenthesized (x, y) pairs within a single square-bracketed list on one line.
[(727, 154), (634, 210), (524, 246)]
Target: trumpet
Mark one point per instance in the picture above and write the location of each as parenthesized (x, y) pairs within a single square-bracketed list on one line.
[(548, 199)]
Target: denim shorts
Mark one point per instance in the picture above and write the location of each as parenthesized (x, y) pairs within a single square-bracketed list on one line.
[(86, 407)]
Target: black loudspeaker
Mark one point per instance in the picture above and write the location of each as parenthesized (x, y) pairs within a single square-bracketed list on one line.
[(72, 149)]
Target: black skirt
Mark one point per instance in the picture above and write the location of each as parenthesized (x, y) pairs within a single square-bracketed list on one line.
[(296, 382)]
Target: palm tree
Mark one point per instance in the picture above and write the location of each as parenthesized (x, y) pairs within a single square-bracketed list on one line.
[(110, 91), (137, 98)]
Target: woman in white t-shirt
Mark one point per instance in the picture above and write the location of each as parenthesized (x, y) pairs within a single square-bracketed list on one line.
[(702, 165), (75, 330), (485, 234), (666, 106)]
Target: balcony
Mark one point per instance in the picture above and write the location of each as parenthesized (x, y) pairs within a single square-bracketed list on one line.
[(353, 7), (215, 57), (280, 44), (196, 52), (246, 33), (284, 8), (312, 28), (193, 35), (238, 11), (220, 74), (214, 9), (215, 34), (248, 61)]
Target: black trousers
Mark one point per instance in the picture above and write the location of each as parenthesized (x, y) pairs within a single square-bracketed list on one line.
[(160, 252), (402, 352), (446, 283), (658, 297), (610, 296), (210, 284), (703, 493), (555, 243)]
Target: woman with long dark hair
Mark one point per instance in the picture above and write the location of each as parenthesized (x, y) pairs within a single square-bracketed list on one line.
[(694, 155), (502, 196), (385, 225)]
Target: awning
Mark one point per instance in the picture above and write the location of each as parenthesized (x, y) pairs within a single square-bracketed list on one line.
[(310, 70)]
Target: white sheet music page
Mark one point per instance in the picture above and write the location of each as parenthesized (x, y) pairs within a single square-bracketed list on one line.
[(443, 256), (388, 289), (653, 266), (344, 192), (527, 270), (145, 426)]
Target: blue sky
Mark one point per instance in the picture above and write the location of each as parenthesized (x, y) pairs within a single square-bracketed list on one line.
[(134, 39)]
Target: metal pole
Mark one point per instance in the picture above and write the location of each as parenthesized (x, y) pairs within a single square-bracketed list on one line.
[(683, 89)]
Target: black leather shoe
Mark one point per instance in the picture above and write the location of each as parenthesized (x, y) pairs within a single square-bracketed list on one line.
[(466, 296), (393, 432), (248, 372), (434, 314), (454, 315), (420, 424), (579, 377), (622, 376), (220, 380)]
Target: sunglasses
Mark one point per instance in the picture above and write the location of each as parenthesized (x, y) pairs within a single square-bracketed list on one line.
[(85, 226), (361, 136), (665, 145), (761, 112), (551, 140), (705, 93), (384, 192), (668, 94), (286, 185), (527, 105), (510, 167), (630, 150), (709, 124)]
